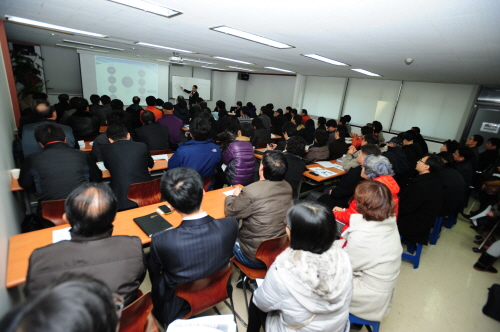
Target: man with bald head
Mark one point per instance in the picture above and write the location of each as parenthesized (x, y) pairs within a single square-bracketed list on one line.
[(118, 261)]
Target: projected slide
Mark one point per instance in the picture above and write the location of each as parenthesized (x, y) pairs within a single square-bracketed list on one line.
[(123, 79)]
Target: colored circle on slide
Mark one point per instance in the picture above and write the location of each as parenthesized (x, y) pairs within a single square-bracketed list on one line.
[(142, 91), (142, 73), (112, 89), (112, 79), (142, 82), (127, 81), (111, 70)]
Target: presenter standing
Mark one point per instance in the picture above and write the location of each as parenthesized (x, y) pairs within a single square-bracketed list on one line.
[(193, 94)]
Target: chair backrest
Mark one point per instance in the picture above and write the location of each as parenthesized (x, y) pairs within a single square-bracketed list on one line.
[(206, 182), (137, 316), (53, 211), (203, 294), (270, 249), (157, 152), (262, 145), (145, 193)]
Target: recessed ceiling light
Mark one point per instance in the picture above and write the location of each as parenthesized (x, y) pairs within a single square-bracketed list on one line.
[(245, 69), (82, 48), (322, 58), (92, 45), (366, 72), (191, 60), (149, 7), (163, 47), (212, 68), (233, 60), (279, 69), (49, 26), (251, 37)]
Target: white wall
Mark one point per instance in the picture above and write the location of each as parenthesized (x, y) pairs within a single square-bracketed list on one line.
[(223, 88), (323, 96), (265, 89), (9, 216)]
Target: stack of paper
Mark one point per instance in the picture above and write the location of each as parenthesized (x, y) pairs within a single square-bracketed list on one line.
[(160, 156)]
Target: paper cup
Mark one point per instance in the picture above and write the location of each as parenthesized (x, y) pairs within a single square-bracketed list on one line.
[(15, 173)]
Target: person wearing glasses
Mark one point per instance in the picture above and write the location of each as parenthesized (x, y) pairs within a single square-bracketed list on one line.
[(420, 202)]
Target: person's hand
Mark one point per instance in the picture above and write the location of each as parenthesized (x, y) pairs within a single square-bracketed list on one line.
[(330, 192), (351, 149), (182, 88), (336, 209), (237, 191), (149, 169), (271, 146), (490, 214)]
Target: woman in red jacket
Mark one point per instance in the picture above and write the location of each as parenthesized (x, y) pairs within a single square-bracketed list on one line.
[(376, 168)]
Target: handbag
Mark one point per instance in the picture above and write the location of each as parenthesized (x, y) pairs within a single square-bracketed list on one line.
[(492, 306)]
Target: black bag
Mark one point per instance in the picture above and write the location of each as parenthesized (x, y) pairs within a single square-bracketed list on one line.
[(32, 222), (492, 306)]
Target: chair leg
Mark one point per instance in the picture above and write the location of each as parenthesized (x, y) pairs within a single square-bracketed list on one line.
[(217, 310), (245, 278)]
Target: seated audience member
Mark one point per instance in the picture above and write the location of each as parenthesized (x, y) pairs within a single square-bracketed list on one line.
[(219, 106), (463, 162), (266, 119), (46, 114), (262, 206), (74, 303), (214, 126), (128, 162), (305, 117), (374, 249), (135, 112), (342, 193), (239, 159), (319, 151), (200, 153), (288, 114), (173, 123), (118, 261), (413, 153), (159, 103), (376, 168), (419, 139), (104, 109), (117, 106), (82, 122), (454, 187), (252, 110), (338, 147), (420, 202), (331, 126), (474, 142), (356, 140), (487, 259), (278, 121), (350, 160), (194, 111), (230, 133), (488, 195), (295, 151), (321, 123), (345, 121), (270, 107), (260, 134), (114, 117), (96, 104), (243, 116), (223, 121), (397, 158), (289, 130), (309, 131), (153, 134), (311, 278), (449, 146), (62, 106), (297, 121), (489, 156), (30, 115), (56, 170), (377, 131), (237, 109), (68, 113), (181, 110), (198, 248), (151, 102)]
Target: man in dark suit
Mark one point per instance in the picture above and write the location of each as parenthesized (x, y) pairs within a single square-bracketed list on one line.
[(193, 94), (153, 134), (196, 249), (127, 161)]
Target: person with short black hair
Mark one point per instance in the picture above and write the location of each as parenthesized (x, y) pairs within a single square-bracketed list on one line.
[(413, 153), (321, 123), (463, 163), (277, 121), (96, 104), (420, 202), (319, 151), (135, 112), (287, 114), (397, 157), (252, 110), (181, 110), (488, 157), (83, 123), (377, 131), (338, 147), (128, 162), (199, 247), (309, 131), (151, 102), (113, 117), (262, 206), (200, 153), (289, 130), (454, 187), (304, 115), (356, 140), (103, 110), (153, 134), (90, 210), (193, 95), (266, 120), (260, 134), (331, 127), (419, 139), (63, 105), (295, 151)]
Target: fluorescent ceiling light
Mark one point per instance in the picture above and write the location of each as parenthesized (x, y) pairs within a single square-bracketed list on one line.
[(245, 69), (322, 58), (177, 63), (93, 45), (251, 37), (208, 63), (212, 68), (366, 72), (233, 60), (149, 7), (163, 47), (279, 69), (82, 48), (49, 26)]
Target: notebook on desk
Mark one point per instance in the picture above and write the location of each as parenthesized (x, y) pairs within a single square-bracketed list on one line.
[(259, 152), (152, 223)]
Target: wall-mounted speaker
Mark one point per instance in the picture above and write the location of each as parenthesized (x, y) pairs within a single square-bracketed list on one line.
[(243, 76)]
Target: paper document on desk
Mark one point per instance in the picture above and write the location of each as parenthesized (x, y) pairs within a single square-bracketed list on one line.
[(229, 192), (322, 172), (160, 156), (100, 164), (215, 323), (81, 144), (62, 234), (325, 164), (337, 166)]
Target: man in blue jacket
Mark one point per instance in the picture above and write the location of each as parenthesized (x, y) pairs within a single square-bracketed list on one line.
[(200, 153)]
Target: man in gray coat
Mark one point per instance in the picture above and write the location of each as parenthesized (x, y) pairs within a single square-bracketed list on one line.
[(262, 206)]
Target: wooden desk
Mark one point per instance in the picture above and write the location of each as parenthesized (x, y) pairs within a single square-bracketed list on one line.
[(21, 246), (87, 147), (276, 137), (103, 129), (184, 129), (14, 185), (321, 178)]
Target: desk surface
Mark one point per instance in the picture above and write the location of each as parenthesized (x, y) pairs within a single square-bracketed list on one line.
[(103, 129), (21, 246)]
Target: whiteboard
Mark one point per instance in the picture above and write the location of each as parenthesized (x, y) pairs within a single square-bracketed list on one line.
[(187, 83)]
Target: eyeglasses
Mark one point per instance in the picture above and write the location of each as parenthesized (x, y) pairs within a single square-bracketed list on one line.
[(420, 161)]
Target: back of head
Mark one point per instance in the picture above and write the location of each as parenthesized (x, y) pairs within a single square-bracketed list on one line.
[(279, 111), (347, 118), (148, 117), (199, 100), (91, 209), (150, 100), (182, 187), (374, 201), (370, 150), (159, 102), (331, 123), (293, 111), (81, 104), (105, 99), (395, 141), (495, 141), (63, 98), (72, 102), (275, 165), (465, 152), (203, 105), (298, 119), (370, 139), (136, 100), (244, 110), (408, 135), (312, 227), (342, 130), (365, 130), (239, 103), (304, 111), (73, 303), (168, 106), (288, 109), (220, 104), (117, 132), (309, 123), (321, 137), (479, 140), (95, 99), (451, 145), (246, 129), (289, 128), (117, 104), (115, 117), (181, 101), (49, 132), (447, 157), (233, 125), (377, 126), (296, 145), (264, 110), (44, 109), (270, 106), (416, 130), (376, 166), (249, 105), (434, 162), (200, 129), (223, 113), (257, 123), (321, 120)]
